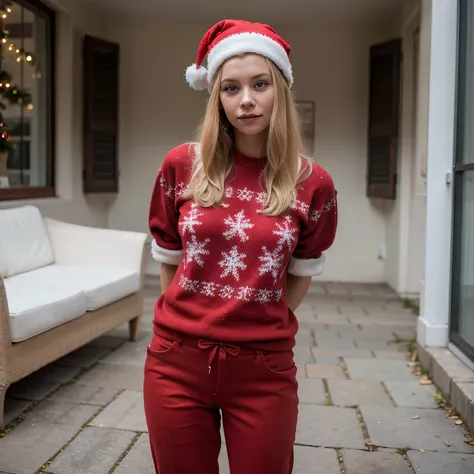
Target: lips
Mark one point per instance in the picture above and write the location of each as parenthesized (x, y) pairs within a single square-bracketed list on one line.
[(248, 117)]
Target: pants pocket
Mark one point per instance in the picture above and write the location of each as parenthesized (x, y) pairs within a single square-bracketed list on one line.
[(278, 362), (159, 345)]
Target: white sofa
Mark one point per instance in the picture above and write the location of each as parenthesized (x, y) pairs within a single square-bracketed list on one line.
[(61, 286)]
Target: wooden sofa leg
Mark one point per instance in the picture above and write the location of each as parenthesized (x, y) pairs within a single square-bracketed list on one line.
[(134, 327), (3, 393)]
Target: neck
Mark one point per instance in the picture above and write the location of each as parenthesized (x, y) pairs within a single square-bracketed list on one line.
[(253, 146)]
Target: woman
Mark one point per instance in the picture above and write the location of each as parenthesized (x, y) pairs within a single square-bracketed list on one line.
[(239, 223)]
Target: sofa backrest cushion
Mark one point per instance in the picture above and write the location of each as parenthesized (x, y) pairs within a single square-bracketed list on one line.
[(24, 240)]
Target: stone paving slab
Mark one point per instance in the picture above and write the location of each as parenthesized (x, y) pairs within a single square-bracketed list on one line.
[(347, 352), (41, 435), (84, 357), (303, 355), (441, 463), (126, 412), (315, 460), (93, 451), (357, 392), (391, 355), (326, 426), (395, 428), (126, 377), (85, 394), (130, 353), (138, 460), (379, 369), (14, 408), (42, 382), (377, 462), (311, 391), (412, 394), (323, 371)]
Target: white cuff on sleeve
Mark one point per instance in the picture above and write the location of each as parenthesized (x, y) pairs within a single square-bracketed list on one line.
[(306, 267), (162, 255)]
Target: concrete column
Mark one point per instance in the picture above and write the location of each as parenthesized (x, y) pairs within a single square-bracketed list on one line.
[(433, 322)]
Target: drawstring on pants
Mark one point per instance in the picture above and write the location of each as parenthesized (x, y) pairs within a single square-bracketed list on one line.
[(218, 349)]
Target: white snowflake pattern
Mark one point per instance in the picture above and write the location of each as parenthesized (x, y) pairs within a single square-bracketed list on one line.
[(232, 262), (237, 226), (285, 232), (227, 292), (172, 191), (271, 261), (329, 205), (195, 250), (261, 198), (245, 293), (264, 295), (191, 220), (315, 215), (245, 194), (229, 192), (209, 288)]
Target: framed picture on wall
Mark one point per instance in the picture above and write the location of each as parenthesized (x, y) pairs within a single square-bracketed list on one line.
[(306, 111)]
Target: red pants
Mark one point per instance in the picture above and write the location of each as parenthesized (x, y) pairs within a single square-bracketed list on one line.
[(186, 387)]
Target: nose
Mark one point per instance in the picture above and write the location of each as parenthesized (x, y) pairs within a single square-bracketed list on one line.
[(248, 102)]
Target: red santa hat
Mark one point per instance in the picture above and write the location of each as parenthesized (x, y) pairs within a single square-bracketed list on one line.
[(229, 38)]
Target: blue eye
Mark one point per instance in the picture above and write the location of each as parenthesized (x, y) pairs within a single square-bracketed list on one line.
[(230, 88), (260, 84)]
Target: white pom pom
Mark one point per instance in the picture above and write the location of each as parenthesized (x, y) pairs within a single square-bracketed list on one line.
[(197, 77)]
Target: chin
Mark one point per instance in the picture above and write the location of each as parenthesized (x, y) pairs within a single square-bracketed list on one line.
[(251, 130)]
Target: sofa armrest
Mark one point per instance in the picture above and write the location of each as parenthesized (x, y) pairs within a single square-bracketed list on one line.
[(82, 245), (5, 340)]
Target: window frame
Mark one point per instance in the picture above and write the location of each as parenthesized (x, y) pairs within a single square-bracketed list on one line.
[(32, 192), (458, 171)]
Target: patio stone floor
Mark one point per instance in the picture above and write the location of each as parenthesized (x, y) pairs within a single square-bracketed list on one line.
[(362, 411)]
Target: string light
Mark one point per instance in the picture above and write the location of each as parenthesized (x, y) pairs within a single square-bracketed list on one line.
[(22, 55)]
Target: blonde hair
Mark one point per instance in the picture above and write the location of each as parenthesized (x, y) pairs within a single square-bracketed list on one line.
[(213, 155)]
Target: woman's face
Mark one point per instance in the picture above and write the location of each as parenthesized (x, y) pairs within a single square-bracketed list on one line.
[(247, 93)]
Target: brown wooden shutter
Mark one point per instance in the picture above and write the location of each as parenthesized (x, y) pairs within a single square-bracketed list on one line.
[(384, 115), (101, 91)]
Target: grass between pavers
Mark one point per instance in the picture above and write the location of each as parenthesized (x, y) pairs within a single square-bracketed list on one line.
[(127, 450), (367, 441), (340, 460), (328, 402), (389, 395), (344, 368)]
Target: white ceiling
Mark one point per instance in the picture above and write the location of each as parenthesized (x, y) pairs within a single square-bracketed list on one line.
[(317, 11)]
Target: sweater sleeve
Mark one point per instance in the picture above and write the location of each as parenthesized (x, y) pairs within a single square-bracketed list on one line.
[(319, 232), (166, 246)]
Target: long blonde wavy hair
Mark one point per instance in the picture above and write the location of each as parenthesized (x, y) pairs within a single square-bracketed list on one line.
[(285, 164)]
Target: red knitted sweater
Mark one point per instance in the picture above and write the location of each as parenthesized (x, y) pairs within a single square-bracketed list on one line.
[(233, 260)]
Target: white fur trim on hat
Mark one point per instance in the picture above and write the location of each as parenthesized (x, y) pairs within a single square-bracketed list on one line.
[(197, 77), (248, 43)]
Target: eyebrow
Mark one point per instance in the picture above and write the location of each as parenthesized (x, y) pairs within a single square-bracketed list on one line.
[(257, 76)]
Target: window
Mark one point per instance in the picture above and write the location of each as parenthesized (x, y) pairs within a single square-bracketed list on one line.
[(462, 299), (26, 100)]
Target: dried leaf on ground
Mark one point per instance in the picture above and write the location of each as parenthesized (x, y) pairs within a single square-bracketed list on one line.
[(458, 422), (469, 439), (415, 417), (438, 436), (425, 380), (421, 450), (414, 356), (447, 443)]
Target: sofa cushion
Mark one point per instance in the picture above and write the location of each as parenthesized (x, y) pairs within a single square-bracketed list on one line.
[(24, 240), (3, 263), (38, 304), (102, 285)]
